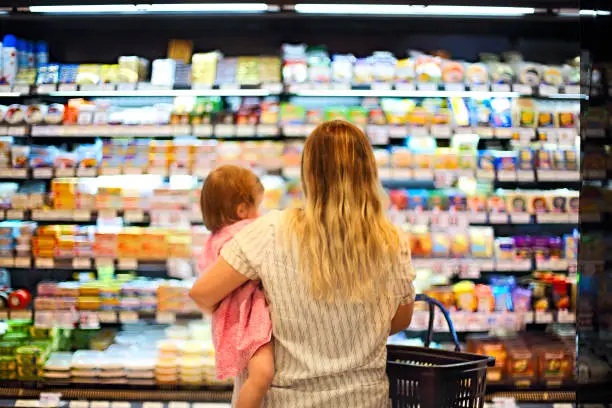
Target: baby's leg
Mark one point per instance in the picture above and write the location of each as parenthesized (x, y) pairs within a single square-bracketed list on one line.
[(261, 372)]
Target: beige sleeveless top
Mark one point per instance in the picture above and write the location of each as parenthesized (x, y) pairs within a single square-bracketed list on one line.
[(326, 354)]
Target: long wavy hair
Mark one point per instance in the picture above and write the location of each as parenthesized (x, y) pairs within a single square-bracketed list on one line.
[(345, 242)]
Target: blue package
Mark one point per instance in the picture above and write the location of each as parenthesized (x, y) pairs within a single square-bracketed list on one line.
[(68, 73), (501, 113), (505, 161), (418, 199), (486, 160)]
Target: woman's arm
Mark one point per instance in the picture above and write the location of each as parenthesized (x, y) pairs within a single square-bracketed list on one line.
[(214, 285), (402, 318)]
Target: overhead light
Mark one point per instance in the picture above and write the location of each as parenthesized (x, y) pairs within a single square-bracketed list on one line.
[(406, 10), (594, 12), (86, 9), (206, 8), (153, 8)]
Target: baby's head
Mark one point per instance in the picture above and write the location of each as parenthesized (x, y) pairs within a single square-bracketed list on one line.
[(230, 194)]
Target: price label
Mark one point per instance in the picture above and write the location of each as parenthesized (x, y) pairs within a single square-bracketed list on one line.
[(405, 86), (87, 172), (563, 316), (245, 130), (225, 130), (133, 216), (506, 175), (486, 175), (15, 215), (107, 214), (133, 170), (477, 217), (126, 264), (81, 215), (81, 263), (100, 404), (107, 316), (469, 271), (152, 405), (523, 89), (452, 87), (397, 132), (542, 317), (459, 220), (441, 131), (64, 172), (384, 173), (548, 90), (498, 218), (4, 315), (484, 132), (178, 404), (267, 130), (500, 87), (520, 218), (121, 404), (79, 404), (402, 174), (423, 174), (21, 314), (522, 265), (165, 317), (525, 176), (7, 262), (44, 263), (43, 173), (552, 218), (504, 133), (89, 320), (110, 171), (378, 134), (419, 131), (274, 88), (440, 220), (23, 262), (104, 263), (427, 86), (203, 130)]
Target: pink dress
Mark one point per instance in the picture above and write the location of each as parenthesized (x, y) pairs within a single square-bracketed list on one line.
[(241, 324)]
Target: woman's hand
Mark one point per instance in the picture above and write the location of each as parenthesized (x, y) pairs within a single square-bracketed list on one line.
[(402, 318), (213, 286)]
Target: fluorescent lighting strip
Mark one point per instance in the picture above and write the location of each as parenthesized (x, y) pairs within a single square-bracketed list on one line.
[(10, 94), (406, 10), (167, 93), (407, 94), (153, 8), (594, 12)]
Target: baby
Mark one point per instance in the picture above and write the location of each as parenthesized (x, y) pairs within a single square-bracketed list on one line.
[(241, 325)]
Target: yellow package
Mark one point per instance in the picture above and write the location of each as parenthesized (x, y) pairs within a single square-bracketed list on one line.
[(109, 74), (204, 68), (88, 74)]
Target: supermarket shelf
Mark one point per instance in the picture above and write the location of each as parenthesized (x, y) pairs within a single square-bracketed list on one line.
[(304, 89), (85, 264)]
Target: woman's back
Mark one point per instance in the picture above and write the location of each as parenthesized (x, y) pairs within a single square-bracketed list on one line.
[(327, 354)]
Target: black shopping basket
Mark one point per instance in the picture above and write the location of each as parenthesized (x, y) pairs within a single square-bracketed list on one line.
[(420, 377)]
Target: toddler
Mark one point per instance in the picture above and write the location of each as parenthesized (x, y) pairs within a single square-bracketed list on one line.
[(241, 325)]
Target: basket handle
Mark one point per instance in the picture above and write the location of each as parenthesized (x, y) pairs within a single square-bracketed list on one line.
[(432, 303)]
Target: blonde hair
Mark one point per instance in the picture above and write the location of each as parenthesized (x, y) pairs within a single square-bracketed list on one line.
[(225, 188), (345, 242)]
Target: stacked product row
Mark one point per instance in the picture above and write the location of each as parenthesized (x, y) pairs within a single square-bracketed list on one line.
[(456, 112)]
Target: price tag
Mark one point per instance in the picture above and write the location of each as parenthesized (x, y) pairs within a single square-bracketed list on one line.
[(110, 171), (525, 176), (523, 89), (419, 131), (81, 263), (506, 175), (572, 218), (402, 174), (107, 316), (21, 314), (294, 130), (504, 133), (427, 86), (79, 404), (121, 404), (6, 172), (384, 173), (397, 132), (104, 263), (500, 87), (203, 130), (267, 130), (100, 404), (165, 317), (133, 216), (81, 215), (87, 172), (441, 131), (542, 317), (245, 130), (469, 271), (23, 262), (133, 170), (498, 218), (423, 174), (454, 87), (152, 405), (563, 316), (20, 173), (64, 172), (44, 263), (178, 404), (67, 87), (43, 173), (274, 88), (107, 214), (477, 217), (486, 175), (552, 218), (520, 218), (378, 134), (7, 262), (89, 320), (4, 315), (225, 130), (522, 265), (548, 90), (126, 264)]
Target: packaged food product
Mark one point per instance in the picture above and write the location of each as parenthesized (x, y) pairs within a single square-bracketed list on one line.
[(529, 74), (203, 68), (485, 302), (452, 72), (552, 75), (428, 69), (465, 296), (477, 74), (342, 68)]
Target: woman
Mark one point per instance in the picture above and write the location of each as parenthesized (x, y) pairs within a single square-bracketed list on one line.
[(337, 276)]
